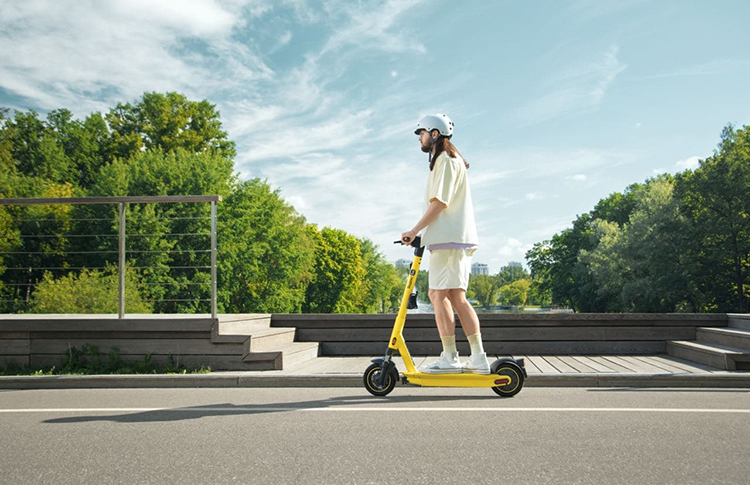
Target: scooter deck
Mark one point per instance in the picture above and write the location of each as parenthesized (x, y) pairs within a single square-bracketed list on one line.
[(456, 380)]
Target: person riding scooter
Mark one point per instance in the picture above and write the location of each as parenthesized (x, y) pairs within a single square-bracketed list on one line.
[(450, 234)]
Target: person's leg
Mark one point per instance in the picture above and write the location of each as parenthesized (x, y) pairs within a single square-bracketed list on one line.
[(466, 313), (446, 323), (477, 362)]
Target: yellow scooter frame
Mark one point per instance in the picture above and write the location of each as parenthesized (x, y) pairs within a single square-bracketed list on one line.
[(506, 377)]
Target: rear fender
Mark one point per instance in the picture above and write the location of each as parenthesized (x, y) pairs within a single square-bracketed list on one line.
[(518, 363)]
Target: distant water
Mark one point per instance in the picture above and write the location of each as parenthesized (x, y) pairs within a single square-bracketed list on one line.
[(427, 308)]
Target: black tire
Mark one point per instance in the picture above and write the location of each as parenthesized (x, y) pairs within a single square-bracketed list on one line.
[(372, 388), (516, 380)]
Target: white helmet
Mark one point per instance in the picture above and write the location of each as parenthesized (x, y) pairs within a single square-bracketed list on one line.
[(436, 122)]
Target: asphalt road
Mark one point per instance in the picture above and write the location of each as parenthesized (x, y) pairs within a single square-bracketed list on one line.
[(344, 435)]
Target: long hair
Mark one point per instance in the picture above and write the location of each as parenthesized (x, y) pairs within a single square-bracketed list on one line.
[(443, 144)]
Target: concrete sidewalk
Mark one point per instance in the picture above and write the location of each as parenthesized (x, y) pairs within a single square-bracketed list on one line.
[(551, 371)]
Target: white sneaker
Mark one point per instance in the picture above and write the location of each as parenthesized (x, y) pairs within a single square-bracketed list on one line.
[(477, 364), (446, 364)]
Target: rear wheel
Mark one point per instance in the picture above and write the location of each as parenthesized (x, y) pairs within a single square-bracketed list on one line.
[(516, 380), (370, 381)]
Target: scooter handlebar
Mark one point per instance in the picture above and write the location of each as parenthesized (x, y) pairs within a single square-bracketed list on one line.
[(415, 243)]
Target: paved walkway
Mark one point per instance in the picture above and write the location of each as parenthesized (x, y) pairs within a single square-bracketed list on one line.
[(544, 371), (550, 365)]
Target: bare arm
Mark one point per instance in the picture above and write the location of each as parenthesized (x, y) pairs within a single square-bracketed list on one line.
[(434, 210)]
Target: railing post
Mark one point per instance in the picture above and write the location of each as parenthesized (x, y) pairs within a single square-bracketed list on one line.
[(213, 259), (121, 258)]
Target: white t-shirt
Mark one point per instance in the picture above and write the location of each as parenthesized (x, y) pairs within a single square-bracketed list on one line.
[(448, 183)]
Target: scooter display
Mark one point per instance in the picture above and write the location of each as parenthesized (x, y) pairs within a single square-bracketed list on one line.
[(506, 376)]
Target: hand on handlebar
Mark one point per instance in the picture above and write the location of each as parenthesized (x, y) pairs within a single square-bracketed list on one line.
[(407, 237)]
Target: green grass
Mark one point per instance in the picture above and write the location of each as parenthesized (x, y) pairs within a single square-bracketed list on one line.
[(88, 360)]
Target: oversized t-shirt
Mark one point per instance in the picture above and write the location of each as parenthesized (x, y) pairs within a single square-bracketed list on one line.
[(449, 184)]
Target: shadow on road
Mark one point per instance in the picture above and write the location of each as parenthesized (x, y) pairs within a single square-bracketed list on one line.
[(662, 389), (197, 412)]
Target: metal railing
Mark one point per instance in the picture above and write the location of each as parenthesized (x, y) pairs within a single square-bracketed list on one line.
[(122, 209)]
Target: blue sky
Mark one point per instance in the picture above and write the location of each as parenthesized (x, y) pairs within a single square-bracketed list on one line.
[(556, 103)]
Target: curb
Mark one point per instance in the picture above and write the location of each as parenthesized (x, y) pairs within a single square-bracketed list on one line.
[(704, 380)]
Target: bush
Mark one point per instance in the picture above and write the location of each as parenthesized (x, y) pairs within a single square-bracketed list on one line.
[(88, 360), (90, 291)]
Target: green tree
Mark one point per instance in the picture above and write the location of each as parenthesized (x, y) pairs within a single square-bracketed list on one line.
[(266, 253), (484, 288), (36, 150), (539, 294), (337, 282), (515, 293), (168, 122), (422, 286), (155, 172), (716, 199), (87, 144), (509, 274), (566, 277), (380, 282)]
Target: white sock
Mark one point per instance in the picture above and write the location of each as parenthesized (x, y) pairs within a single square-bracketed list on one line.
[(475, 341), (449, 344)]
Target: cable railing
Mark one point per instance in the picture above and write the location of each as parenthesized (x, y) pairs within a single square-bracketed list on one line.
[(159, 249)]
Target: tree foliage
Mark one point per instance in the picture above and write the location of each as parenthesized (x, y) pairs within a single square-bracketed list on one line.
[(677, 243), (270, 259), (88, 291)]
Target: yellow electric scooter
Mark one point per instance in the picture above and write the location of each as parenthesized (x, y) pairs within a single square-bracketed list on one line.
[(506, 374)]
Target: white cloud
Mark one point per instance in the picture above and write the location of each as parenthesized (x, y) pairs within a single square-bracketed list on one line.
[(577, 88), (481, 178), (336, 151), (711, 68), (283, 40), (296, 137), (546, 227), (87, 55), (513, 249), (689, 163), (370, 26), (535, 162), (353, 193), (578, 177)]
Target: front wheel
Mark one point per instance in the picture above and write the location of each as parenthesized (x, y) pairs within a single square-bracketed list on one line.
[(370, 383), (516, 380)]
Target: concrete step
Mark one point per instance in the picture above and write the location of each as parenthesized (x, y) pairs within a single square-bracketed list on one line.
[(715, 355), (237, 317), (237, 328), (220, 334), (291, 354), (269, 339), (733, 337), (739, 320), (243, 324)]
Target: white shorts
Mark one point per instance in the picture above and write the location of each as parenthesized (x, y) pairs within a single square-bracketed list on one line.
[(450, 268)]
